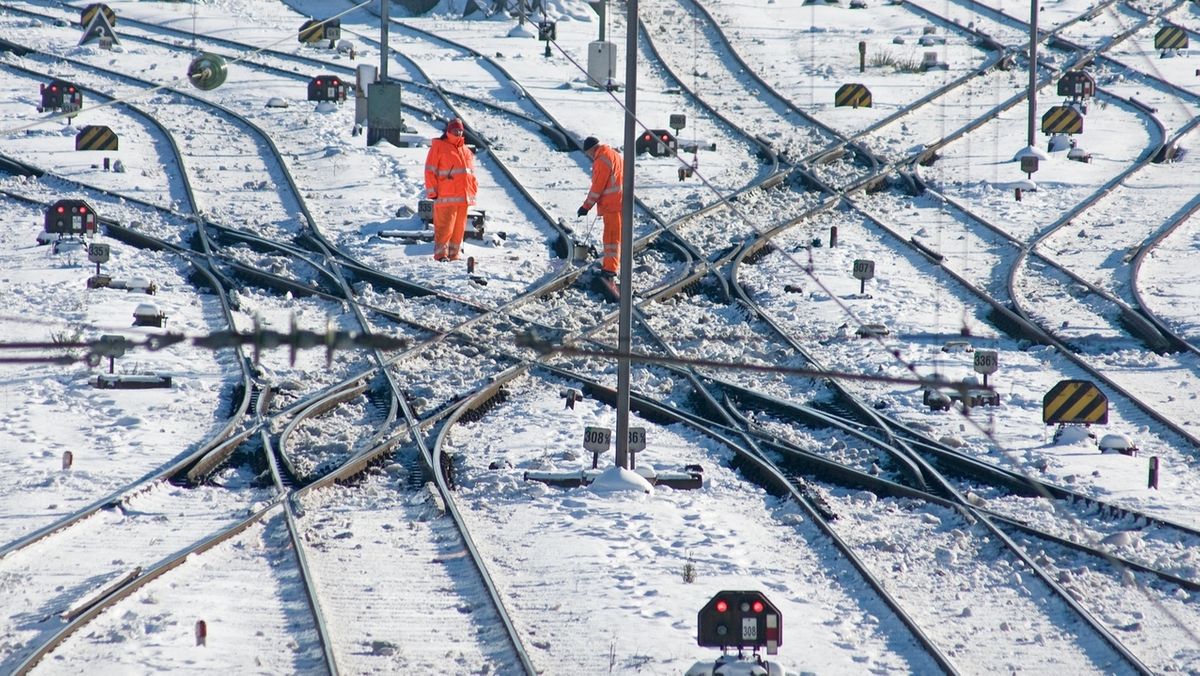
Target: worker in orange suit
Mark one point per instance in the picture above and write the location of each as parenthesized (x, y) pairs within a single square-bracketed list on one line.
[(608, 172), (450, 183)]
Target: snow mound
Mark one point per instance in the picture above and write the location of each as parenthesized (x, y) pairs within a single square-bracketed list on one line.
[(619, 480)]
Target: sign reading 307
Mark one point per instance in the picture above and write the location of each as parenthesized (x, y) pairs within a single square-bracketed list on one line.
[(863, 269)]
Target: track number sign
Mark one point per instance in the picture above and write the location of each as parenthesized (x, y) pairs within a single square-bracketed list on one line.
[(596, 439), (97, 253), (637, 439), (986, 361), (864, 269)]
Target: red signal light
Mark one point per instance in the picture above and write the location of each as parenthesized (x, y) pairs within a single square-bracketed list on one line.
[(758, 606), (83, 210), (53, 88), (71, 90), (318, 83), (60, 210), (665, 138), (722, 606), (646, 137)]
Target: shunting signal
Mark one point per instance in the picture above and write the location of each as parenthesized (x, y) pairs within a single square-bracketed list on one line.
[(1077, 84), (657, 142), (327, 88), (70, 217), (740, 619), (60, 95)]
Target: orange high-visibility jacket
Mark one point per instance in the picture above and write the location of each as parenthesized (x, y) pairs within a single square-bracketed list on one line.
[(607, 173), (450, 173)]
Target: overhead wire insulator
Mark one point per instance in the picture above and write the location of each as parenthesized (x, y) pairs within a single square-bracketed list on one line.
[(207, 71)]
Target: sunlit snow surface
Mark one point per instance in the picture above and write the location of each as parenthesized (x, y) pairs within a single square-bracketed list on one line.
[(597, 581)]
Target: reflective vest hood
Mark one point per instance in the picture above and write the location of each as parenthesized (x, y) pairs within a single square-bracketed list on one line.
[(450, 172)]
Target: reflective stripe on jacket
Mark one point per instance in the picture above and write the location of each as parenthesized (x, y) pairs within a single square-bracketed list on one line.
[(607, 173), (450, 172)]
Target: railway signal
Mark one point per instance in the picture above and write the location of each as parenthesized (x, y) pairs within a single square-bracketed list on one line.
[(742, 620), (547, 32), (70, 217), (327, 88), (61, 95), (657, 142), (1077, 84)]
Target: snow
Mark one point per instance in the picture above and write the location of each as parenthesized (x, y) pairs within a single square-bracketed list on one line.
[(607, 577)]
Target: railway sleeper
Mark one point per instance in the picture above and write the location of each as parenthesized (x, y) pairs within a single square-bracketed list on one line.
[(475, 414)]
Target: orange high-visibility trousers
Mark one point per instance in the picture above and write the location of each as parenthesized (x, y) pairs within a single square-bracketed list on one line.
[(449, 226), (609, 261)]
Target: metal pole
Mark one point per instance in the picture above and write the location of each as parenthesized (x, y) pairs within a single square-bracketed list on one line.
[(625, 315), (1033, 29), (603, 18), (384, 20)]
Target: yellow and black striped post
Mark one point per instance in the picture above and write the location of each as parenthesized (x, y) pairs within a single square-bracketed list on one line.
[(93, 137), (1062, 120), (1075, 402), (852, 94)]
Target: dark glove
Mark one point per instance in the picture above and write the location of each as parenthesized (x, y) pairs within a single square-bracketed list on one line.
[(582, 211)]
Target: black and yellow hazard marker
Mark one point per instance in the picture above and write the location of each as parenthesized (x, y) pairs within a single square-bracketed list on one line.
[(1171, 37), (311, 31), (89, 13), (1075, 402), (94, 137), (1062, 120), (854, 95)]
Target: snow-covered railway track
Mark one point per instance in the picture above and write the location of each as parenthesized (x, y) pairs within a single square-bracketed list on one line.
[(252, 560), (140, 129), (763, 114), (479, 472), (1084, 650), (1017, 559), (138, 533), (922, 355), (207, 134)]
